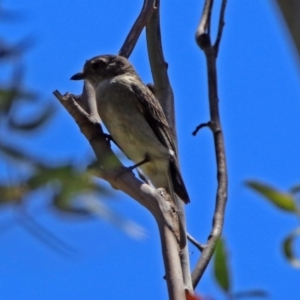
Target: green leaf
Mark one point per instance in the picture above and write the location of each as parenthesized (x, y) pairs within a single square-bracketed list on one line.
[(18, 155), (284, 201), (9, 95), (221, 271), (6, 99), (11, 194), (67, 182), (63, 201), (11, 152), (44, 116), (45, 175), (288, 248), (16, 50)]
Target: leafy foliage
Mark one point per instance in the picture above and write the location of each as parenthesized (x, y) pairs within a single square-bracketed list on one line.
[(288, 248), (287, 202), (223, 278), (69, 190), (283, 201), (221, 271)]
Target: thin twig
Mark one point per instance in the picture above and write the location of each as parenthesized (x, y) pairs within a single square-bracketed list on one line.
[(202, 125), (159, 68), (215, 125), (221, 26), (203, 30), (199, 246), (132, 38)]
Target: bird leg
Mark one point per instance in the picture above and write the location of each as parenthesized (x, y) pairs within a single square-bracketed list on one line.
[(144, 161)]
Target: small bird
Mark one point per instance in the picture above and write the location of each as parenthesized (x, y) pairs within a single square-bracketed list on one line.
[(135, 121)]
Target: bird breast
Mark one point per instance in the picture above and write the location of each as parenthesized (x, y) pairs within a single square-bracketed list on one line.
[(118, 109)]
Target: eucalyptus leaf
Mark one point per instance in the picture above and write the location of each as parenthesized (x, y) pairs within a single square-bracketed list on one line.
[(11, 194), (288, 248), (12, 152), (6, 99), (34, 123), (284, 201), (221, 271), (63, 202)]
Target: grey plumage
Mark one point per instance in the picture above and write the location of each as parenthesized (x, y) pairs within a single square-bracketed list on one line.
[(135, 120)]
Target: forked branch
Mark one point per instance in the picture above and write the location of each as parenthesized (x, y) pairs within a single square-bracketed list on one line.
[(164, 93), (147, 10), (83, 109), (203, 39)]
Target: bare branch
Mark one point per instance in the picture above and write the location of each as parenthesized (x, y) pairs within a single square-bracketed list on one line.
[(132, 38), (156, 201), (159, 68), (172, 263), (203, 30), (195, 243), (202, 125), (92, 130), (164, 93), (221, 26), (215, 125)]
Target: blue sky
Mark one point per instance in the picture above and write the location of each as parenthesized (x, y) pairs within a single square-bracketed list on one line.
[(259, 101)]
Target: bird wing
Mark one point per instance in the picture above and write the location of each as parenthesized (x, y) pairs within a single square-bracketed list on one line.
[(153, 112)]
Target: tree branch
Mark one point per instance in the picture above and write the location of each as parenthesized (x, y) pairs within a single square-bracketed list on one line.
[(159, 67), (220, 27), (199, 246), (203, 30), (147, 10), (203, 40), (84, 111), (157, 201), (164, 93)]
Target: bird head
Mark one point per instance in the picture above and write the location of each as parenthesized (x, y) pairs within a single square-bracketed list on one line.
[(103, 67)]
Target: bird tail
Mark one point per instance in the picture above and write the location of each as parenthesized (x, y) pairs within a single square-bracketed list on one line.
[(180, 210), (177, 181)]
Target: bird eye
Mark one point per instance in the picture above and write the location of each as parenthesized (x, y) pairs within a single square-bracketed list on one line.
[(98, 65)]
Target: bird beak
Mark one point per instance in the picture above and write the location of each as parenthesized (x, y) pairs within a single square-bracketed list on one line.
[(78, 76)]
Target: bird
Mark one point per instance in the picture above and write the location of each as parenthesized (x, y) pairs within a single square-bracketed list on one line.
[(135, 120)]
